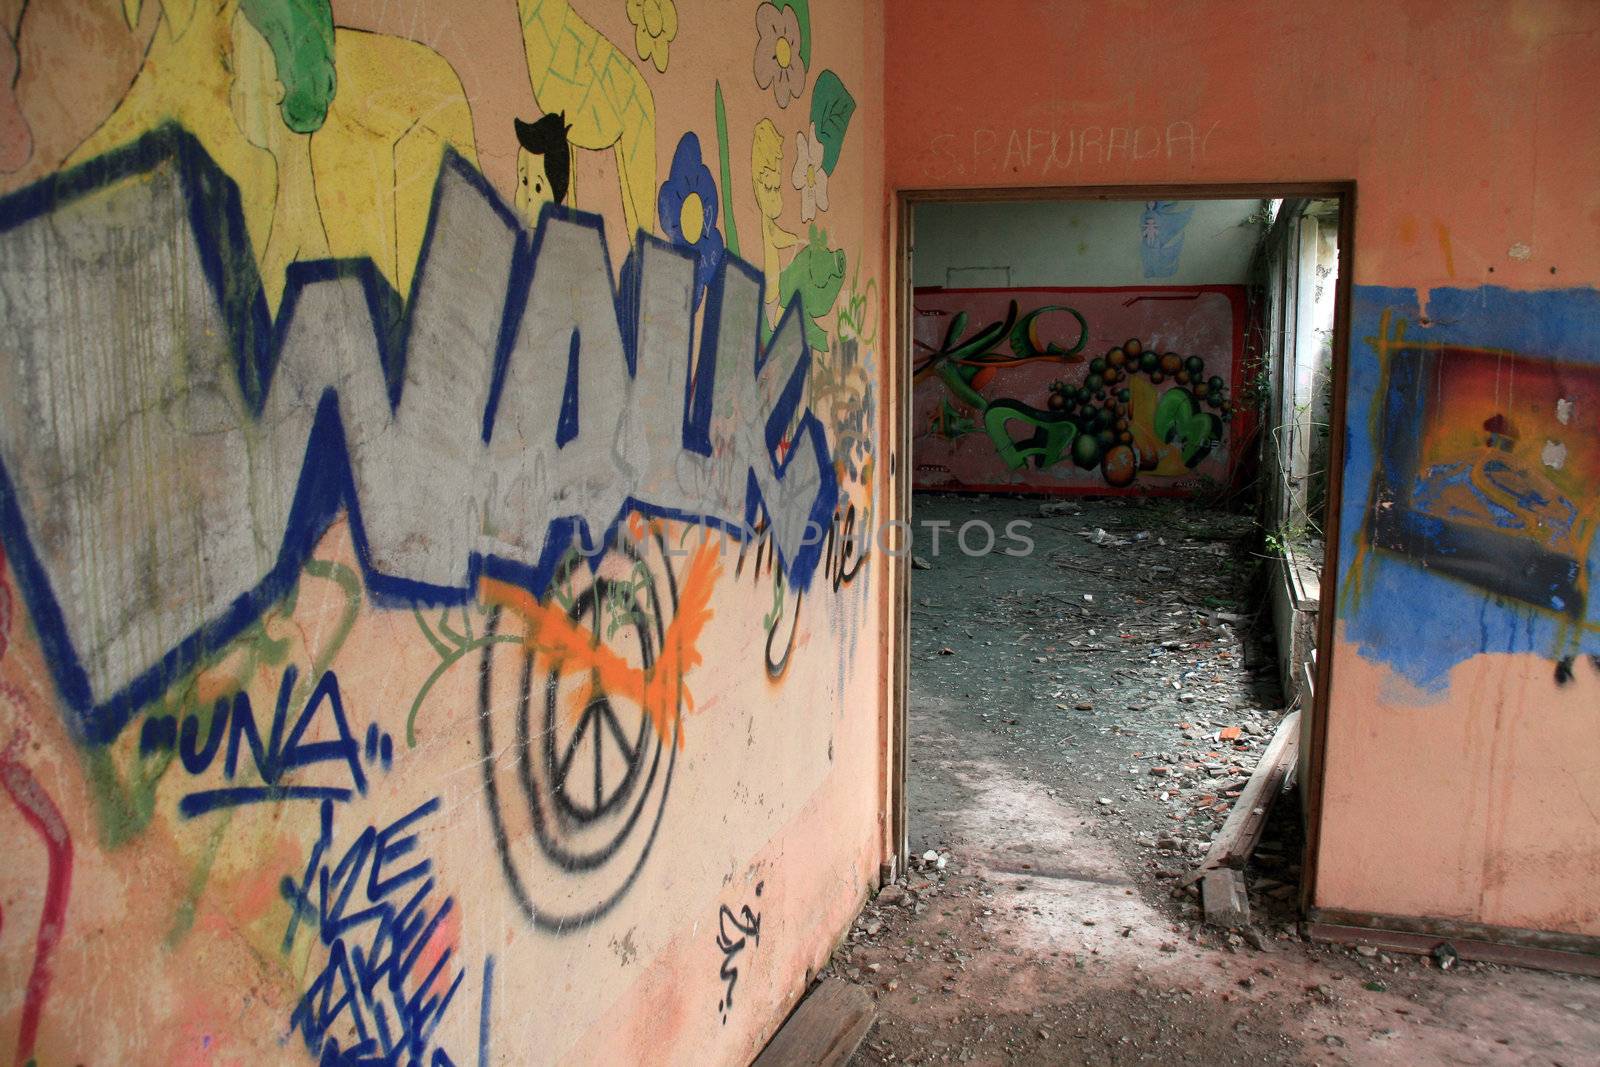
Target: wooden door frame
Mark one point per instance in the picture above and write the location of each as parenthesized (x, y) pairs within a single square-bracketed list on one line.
[(900, 469)]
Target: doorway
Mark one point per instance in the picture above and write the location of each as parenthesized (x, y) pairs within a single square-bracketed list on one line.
[(1118, 410)]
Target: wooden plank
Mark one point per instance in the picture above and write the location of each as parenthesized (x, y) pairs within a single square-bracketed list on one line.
[(824, 1030), (1239, 835), (1227, 903), (1586, 961)]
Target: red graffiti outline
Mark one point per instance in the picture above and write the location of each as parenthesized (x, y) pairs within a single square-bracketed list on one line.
[(41, 813)]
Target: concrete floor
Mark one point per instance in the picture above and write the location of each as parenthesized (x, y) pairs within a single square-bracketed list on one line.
[(1045, 690)]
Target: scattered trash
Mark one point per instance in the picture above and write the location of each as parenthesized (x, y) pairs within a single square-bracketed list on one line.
[(920, 564), (1445, 955), (1106, 539)]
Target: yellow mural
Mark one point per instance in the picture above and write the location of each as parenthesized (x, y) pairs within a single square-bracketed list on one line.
[(348, 175), (655, 26), (766, 176), (603, 98)]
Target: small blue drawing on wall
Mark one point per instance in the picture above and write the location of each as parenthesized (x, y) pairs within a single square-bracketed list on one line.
[(1161, 236)]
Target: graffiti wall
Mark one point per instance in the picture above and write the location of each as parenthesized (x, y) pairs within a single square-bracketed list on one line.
[(1088, 390), (437, 451), (1468, 551)]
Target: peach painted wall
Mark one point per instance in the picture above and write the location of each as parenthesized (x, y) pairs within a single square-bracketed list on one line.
[(319, 740), (1461, 772)]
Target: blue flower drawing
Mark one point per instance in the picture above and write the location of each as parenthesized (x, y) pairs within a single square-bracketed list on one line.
[(687, 205)]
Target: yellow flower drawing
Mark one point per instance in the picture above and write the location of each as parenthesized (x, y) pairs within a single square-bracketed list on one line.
[(655, 24)]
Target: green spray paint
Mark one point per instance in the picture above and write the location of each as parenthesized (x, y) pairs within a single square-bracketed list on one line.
[(726, 173), (300, 34)]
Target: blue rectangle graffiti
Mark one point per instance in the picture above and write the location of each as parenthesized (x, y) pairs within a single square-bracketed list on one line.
[(1484, 513), (1469, 509)]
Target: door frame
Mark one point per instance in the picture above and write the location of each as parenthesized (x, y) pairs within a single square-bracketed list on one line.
[(897, 399)]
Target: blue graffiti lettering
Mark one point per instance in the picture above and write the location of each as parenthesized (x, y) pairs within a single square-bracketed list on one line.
[(272, 759), (520, 397), (375, 911)]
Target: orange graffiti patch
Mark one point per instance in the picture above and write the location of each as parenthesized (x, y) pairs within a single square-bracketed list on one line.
[(573, 648), (435, 954)]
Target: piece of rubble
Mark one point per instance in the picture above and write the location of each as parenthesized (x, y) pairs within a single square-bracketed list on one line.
[(1226, 901)]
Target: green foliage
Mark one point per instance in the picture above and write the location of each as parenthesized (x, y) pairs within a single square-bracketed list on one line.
[(729, 223), (831, 109)]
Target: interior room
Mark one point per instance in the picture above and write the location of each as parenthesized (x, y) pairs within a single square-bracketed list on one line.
[(827, 532), (1120, 428)]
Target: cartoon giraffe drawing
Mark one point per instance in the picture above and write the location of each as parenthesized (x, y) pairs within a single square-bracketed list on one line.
[(606, 101), (333, 156)]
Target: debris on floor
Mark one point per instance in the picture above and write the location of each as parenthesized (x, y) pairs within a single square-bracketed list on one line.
[(1084, 720)]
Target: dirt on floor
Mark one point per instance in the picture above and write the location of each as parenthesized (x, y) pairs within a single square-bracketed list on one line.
[(1082, 717)]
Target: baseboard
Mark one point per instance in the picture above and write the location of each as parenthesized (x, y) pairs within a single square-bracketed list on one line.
[(1540, 949)]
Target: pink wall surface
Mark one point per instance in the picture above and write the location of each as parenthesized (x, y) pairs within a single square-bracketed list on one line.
[(362, 699), (1466, 124), (1461, 779), (1092, 390)]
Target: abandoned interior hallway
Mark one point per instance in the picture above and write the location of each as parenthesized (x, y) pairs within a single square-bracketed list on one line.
[(453, 464), (1071, 753)]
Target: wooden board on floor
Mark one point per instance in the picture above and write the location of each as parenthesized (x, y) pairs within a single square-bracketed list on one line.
[(824, 1030), (1227, 903), (1238, 837)]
